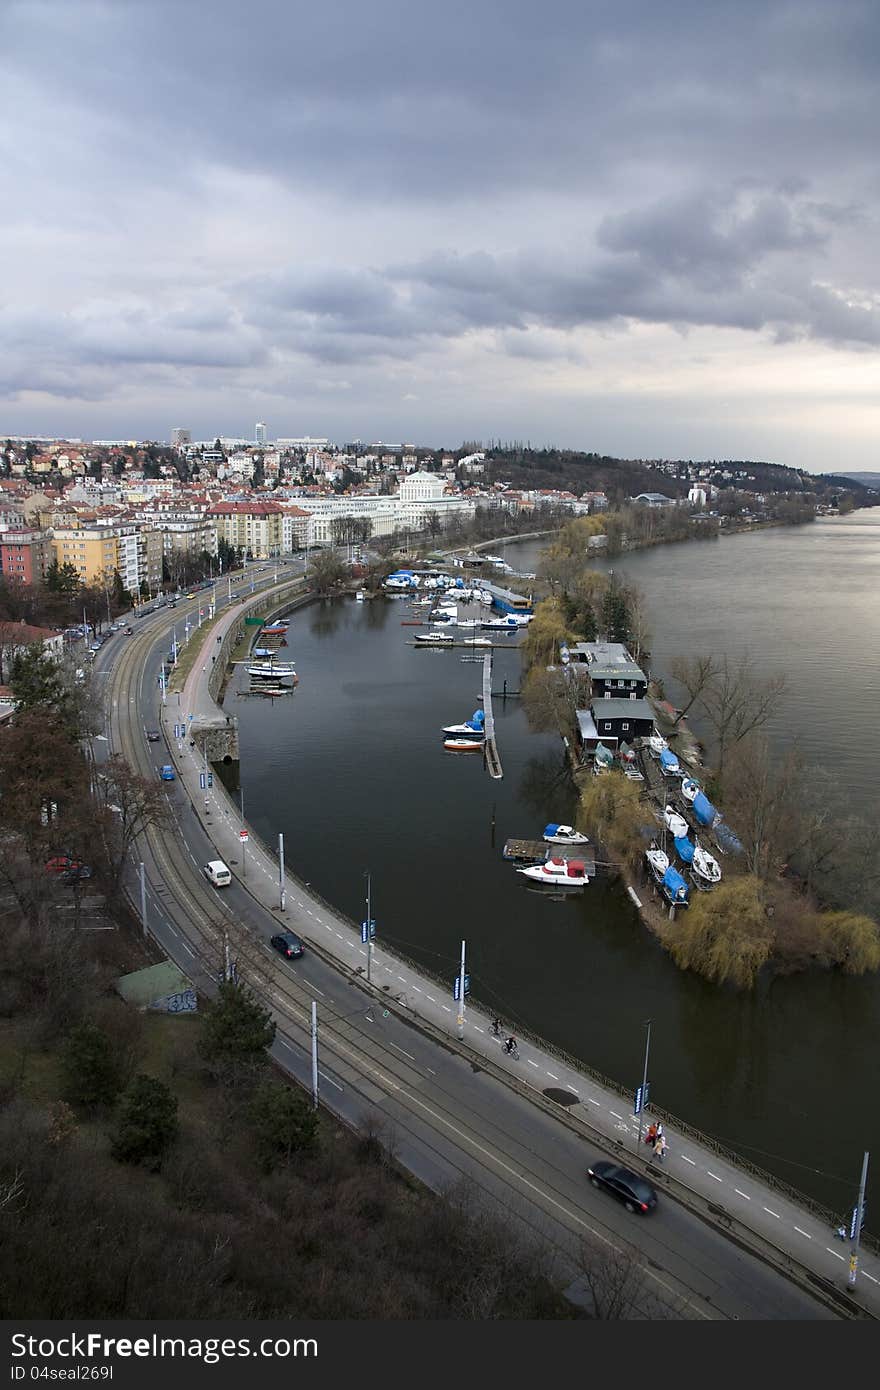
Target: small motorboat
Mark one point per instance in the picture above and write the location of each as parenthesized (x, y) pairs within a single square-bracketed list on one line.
[(689, 788), (463, 745), (434, 639), (360, 596), (674, 822), (564, 835), (471, 623), (557, 873), (471, 728), (656, 745), (657, 861), (705, 866), (272, 670), (479, 641)]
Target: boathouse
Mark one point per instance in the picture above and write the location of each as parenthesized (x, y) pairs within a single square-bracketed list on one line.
[(506, 600), (621, 720)]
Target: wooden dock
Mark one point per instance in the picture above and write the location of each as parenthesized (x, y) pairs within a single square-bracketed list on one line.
[(492, 760), (538, 851)]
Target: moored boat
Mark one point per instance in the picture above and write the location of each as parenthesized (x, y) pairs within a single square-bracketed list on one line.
[(689, 788), (557, 873), (434, 639), (674, 888), (656, 745), (471, 728), (272, 670), (463, 745), (684, 848), (564, 835)]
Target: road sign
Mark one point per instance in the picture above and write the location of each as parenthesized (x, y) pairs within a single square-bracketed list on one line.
[(641, 1099), (368, 929), (243, 836), (457, 987)]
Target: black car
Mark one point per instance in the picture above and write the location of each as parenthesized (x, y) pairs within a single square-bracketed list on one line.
[(153, 736), (288, 944), (626, 1186)]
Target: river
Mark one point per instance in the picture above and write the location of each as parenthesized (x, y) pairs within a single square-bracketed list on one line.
[(351, 768)]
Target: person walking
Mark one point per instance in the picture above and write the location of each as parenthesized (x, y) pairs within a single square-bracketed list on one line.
[(651, 1134), (496, 1027), (660, 1147)]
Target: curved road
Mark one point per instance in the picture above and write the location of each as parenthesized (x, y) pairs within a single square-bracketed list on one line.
[(448, 1117)]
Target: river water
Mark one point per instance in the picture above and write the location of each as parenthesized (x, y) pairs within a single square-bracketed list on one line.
[(351, 768)]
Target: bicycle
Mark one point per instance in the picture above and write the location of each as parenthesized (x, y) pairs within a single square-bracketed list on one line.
[(512, 1051)]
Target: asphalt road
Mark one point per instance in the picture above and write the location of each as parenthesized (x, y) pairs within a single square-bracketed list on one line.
[(449, 1121)]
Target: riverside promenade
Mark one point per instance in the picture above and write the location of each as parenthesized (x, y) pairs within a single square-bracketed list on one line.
[(772, 1221)]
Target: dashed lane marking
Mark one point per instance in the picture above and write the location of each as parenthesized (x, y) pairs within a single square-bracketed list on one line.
[(531, 1063), (742, 1194), (803, 1233), (689, 1160), (773, 1213), (400, 1050), (714, 1175), (550, 1074), (836, 1253), (615, 1114), (594, 1102)]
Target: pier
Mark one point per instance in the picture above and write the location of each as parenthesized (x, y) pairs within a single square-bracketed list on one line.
[(490, 756)]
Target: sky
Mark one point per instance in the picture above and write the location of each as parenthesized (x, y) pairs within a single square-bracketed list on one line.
[(644, 229)]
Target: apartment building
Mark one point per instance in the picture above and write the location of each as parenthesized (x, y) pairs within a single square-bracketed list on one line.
[(95, 551), (255, 527), (25, 555)]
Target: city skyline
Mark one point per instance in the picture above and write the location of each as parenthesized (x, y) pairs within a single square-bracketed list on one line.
[(646, 232)]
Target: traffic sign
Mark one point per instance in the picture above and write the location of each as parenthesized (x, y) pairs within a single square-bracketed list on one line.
[(243, 836)]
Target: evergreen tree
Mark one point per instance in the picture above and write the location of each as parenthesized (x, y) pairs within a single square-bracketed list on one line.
[(237, 1029), (147, 1122), (284, 1123), (91, 1069)]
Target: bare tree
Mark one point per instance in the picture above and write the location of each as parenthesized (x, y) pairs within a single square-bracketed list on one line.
[(737, 702), (695, 673), (134, 803), (617, 1282)]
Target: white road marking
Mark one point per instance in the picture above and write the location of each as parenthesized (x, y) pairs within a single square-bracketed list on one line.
[(803, 1233), (772, 1213), (689, 1160), (552, 1077), (615, 1114), (742, 1194), (531, 1063), (836, 1253), (417, 990), (447, 1009), (871, 1277), (714, 1175), (400, 1049), (593, 1102)]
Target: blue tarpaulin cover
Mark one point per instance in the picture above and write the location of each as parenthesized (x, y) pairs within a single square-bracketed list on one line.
[(668, 759), (684, 849), (675, 885), (704, 810)]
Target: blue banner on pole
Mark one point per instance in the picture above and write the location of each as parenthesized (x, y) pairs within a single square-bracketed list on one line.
[(368, 929), (456, 992), (641, 1099)]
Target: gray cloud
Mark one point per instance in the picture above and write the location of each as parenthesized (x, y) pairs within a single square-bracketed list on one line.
[(209, 197)]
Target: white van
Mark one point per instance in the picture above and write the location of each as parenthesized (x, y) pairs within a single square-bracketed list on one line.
[(216, 872)]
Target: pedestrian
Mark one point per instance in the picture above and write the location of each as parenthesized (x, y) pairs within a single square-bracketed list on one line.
[(651, 1134), (496, 1027), (660, 1147)]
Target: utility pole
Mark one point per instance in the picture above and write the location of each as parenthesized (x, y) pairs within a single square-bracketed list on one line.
[(143, 900), (205, 756), (315, 1054), (461, 979), (281, 893), (858, 1217), (163, 685), (644, 1094)]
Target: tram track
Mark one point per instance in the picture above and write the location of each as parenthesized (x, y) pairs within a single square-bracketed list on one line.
[(463, 1129)]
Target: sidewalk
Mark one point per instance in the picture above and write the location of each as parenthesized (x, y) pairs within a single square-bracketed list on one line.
[(796, 1237)]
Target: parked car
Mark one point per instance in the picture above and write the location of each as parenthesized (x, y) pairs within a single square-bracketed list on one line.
[(167, 773), (635, 1193), (62, 864), (153, 736), (288, 944), (76, 872)]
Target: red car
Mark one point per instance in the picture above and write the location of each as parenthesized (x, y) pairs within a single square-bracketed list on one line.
[(62, 864)]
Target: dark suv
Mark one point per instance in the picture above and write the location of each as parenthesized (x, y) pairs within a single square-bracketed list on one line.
[(288, 944), (626, 1186)]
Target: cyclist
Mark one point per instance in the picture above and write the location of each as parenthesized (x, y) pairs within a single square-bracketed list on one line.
[(496, 1027), (510, 1045)]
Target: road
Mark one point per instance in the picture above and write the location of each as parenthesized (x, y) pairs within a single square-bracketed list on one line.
[(453, 1114)]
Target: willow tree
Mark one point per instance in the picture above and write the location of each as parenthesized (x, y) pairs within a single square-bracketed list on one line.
[(851, 940), (725, 935)]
